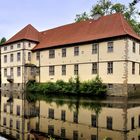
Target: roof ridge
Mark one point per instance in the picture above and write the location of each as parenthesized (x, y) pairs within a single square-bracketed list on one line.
[(65, 25), (122, 18), (27, 28)]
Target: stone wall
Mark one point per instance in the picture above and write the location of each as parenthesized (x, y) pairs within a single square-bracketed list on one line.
[(117, 90), (126, 90)]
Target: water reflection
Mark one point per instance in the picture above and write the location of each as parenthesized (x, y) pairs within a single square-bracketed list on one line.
[(77, 119)]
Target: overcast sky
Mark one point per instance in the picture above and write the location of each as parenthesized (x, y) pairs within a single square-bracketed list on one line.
[(42, 14)]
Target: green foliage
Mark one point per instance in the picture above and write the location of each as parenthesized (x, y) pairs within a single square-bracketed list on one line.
[(3, 40), (118, 8), (95, 87), (106, 7), (134, 2), (102, 8), (82, 17), (72, 87)]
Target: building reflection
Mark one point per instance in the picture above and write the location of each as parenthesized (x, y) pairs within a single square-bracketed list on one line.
[(77, 119)]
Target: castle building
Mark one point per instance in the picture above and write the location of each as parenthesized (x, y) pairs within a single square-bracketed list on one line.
[(106, 46)]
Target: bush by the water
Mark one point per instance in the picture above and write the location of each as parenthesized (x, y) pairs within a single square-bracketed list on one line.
[(72, 87)]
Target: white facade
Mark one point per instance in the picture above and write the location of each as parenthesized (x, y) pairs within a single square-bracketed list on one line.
[(116, 64)]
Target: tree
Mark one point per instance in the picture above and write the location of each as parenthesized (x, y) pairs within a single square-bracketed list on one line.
[(134, 2), (102, 7), (3, 40), (106, 7), (118, 8), (84, 16)]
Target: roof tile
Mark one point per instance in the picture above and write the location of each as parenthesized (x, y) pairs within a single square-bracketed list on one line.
[(90, 30)]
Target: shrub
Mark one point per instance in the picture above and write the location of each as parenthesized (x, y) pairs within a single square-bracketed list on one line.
[(93, 87)]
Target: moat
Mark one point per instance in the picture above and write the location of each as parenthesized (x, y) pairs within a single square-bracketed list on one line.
[(69, 118)]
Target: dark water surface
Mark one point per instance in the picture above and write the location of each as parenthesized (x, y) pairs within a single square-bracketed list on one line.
[(69, 118)]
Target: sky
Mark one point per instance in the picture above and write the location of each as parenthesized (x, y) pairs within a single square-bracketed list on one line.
[(42, 14)]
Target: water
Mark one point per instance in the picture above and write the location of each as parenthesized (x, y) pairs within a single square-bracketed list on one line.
[(73, 119)]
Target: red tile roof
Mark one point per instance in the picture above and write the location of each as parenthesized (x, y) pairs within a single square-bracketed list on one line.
[(28, 33), (104, 27)]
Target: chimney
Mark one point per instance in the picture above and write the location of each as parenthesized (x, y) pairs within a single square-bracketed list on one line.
[(96, 16)]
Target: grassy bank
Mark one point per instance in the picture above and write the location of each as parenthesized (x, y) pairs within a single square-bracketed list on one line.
[(73, 87)]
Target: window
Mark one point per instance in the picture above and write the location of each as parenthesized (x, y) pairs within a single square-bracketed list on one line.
[(75, 135), (63, 115), (11, 47), (32, 71), (5, 108), (93, 120), (37, 126), (18, 45), (28, 126), (18, 71), (76, 69), (17, 136), (4, 131), (51, 113), (63, 132), (5, 58), (64, 52), (63, 69), (5, 48), (4, 121), (37, 55), (18, 110), (76, 51), (94, 68), (11, 108), (133, 67), (50, 129), (110, 86), (17, 124), (11, 72), (139, 69), (11, 123), (51, 70), (93, 137), (134, 47), (132, 123), (18, 56), (139, 48), (5, 72), (110, 47), (139, 121), (109, 122), (110, 67), (29, 56), (52, 53), (29, 44), (11, 57), (94, 48), (75, 117)]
